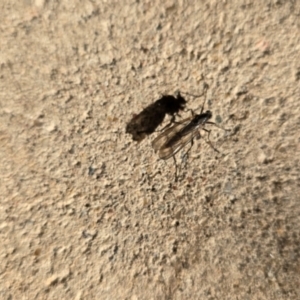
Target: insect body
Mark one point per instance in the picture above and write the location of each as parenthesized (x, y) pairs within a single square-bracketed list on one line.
[(146, 122), (175, 138)]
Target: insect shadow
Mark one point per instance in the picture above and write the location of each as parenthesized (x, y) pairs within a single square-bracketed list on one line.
[(146, 122), (174, 138)]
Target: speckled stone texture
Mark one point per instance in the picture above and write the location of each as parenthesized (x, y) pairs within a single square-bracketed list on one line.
[(86, 213)]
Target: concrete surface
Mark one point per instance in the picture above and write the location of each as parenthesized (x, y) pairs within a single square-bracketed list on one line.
[(88, 214)]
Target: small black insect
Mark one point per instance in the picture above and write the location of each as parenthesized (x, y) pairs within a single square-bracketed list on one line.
[(173, 139), (146, 122)]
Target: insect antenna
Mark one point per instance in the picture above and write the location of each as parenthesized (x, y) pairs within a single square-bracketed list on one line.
[(205, 89)]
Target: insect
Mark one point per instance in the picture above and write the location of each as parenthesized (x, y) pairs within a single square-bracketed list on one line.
[(146, 122), (173, 139)]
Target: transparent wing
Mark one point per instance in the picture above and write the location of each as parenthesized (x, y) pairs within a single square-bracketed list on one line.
[(168, 134), (171, 149)]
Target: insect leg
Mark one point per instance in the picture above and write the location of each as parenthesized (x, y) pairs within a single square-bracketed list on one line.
[(172, 121), (176, 174), (212, 123), (165, 127), (209, 142), (206, 86), (192, 112), (187, 152)]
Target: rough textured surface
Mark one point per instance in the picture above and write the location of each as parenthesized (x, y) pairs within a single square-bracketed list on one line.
[(88, 214)]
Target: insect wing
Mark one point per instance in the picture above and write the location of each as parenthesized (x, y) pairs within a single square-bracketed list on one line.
[(168, 134), (171, 149), (176, 137)]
